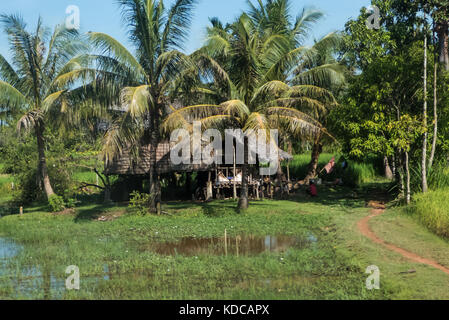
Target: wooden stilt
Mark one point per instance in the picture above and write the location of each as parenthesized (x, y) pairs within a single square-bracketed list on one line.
[(235, 174), (209, 192)]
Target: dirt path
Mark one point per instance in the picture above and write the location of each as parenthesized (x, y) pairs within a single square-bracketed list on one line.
[(378, 208)]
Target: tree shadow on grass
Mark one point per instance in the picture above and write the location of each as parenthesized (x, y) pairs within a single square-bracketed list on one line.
[(92, 208)]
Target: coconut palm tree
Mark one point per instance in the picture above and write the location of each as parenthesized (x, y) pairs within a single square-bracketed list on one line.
[(252, 68), (317, 66), (28, 84), (139, 82)]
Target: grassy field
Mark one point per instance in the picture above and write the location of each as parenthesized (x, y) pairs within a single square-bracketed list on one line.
[(117, 257)]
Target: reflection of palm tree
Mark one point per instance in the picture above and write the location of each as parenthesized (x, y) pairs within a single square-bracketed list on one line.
[(144, 79), (253, 66), (31, 85)]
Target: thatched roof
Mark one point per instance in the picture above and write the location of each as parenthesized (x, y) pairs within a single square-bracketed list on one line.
[(126, 165)]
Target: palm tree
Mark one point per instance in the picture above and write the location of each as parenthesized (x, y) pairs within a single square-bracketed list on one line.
[(251, 65), (332, 77), (317, 67), (140, 81), (28, 84)]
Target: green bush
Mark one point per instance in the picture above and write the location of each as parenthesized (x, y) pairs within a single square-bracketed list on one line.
[(432, 210), (437, 176), (139, 202), (56, 203), (29, 186)]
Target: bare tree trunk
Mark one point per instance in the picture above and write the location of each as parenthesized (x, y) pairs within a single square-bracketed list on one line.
[(313, 165), (407, 171), (435, 112), (443, 35), (400, 174), (388, 172), (424, 147), (393, 169), (42, 166)]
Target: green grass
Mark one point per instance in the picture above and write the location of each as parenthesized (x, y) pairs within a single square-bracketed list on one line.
[(300, 162), (356, 174), (432, 210), (333, 268), (85, 176)]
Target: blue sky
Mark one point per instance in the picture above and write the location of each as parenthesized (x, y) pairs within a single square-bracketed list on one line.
[(104, 15)]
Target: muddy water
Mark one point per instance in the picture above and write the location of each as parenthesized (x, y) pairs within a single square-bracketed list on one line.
[(239, 246)]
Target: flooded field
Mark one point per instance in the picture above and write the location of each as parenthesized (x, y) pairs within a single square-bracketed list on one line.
[(41, 282), (239, 246)]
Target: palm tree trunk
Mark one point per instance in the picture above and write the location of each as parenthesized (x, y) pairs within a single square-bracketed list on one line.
[(243, 201), (290, 152), (42, 166), (424, 146), (155, 186), (313, 165)]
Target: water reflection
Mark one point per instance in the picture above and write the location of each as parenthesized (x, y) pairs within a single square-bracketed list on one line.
[(239, 246)]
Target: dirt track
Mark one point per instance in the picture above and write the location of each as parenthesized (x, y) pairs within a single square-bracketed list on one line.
[(363, 226)]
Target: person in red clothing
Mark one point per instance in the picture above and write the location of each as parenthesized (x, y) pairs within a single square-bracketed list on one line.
[(312, 189)]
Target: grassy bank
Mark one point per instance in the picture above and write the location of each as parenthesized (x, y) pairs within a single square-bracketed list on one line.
[(432, 210)]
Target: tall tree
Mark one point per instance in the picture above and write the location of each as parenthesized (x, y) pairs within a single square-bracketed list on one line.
[(30, 83), (425, 118), (140, 82), (256, 63)]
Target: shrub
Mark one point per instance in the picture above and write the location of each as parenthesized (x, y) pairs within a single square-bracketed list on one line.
[(139, 202), (437, 176), (29, 186), (56, 203)]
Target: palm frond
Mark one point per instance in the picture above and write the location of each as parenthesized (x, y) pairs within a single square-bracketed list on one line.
[(11, 98), (110, 46), (135, 100)]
